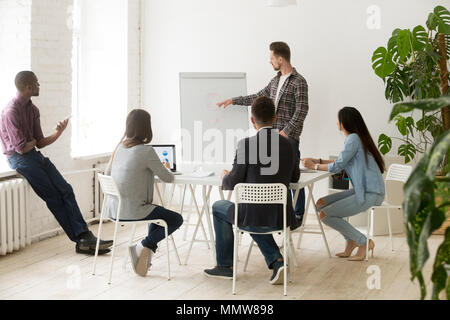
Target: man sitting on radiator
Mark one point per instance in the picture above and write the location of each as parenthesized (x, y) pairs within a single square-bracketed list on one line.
[(20, 135)]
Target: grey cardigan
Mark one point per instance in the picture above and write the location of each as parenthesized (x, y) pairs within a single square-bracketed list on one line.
[(133, 170)]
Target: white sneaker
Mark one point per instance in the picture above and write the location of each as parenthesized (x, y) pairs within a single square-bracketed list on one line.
[(133, 256), (143, 262)]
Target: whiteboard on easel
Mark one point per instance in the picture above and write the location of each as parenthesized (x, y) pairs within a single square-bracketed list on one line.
[(211, 128)]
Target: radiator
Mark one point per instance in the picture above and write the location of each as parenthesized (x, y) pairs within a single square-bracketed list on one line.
[(15, 231)]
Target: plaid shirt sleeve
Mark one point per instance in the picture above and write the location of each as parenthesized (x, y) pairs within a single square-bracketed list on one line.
[(248, 100), (294, 127)]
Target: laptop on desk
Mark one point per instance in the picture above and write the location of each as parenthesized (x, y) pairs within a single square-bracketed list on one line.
[(167, 153)]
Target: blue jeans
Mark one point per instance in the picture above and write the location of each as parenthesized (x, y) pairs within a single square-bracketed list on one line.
[(51, 187), (343, 204), (300, 206), (156, 233), (225, 237)]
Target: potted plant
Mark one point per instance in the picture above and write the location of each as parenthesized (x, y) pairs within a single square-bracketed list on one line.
[(413, 67), (424, 213), (415, 71)]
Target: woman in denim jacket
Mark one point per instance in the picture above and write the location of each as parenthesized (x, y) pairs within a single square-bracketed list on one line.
[(364, 165)]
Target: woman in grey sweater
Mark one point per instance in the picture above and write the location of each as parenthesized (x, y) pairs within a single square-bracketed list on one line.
[(133, 167)]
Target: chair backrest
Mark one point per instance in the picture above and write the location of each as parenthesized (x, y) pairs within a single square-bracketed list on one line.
[(108, 185), (396, 177), (258, 193), (398, 172), (273, 193)]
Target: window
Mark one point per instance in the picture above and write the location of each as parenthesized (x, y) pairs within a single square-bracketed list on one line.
[(14, 55), (100, 75)]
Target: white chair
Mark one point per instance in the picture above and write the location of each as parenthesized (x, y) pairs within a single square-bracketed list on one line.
[(260, 194), (110, 188), (396, 172)]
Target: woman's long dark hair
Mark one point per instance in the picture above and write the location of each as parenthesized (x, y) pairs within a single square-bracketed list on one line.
[(353, 122), (138, 128), (138, 131)]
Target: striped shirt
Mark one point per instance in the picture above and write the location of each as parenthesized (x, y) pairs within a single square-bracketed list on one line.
[(292, 105)]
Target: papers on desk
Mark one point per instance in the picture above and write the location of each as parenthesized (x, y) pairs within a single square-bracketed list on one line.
[(200, 174)]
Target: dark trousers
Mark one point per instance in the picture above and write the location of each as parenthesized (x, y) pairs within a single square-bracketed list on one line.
[(156, 233), (300, 206), (51, 187), (225, 237)]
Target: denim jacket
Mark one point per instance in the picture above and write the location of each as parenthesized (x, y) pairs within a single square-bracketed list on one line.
[(365, 177)]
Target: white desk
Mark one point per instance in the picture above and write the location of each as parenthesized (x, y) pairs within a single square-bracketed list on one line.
[(307, 180)]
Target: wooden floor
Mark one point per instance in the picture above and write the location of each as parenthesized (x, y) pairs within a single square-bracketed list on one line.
[(51, 269)]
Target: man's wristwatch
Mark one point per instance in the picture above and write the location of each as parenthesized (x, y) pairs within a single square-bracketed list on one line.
[(316, 167)]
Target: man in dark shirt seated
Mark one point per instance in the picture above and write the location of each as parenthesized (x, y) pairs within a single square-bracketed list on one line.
[(267, 157), (20, 134)]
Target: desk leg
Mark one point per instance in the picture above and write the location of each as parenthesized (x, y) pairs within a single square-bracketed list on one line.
[(305, 215), (318, 219), (206, 198), (199, 223)]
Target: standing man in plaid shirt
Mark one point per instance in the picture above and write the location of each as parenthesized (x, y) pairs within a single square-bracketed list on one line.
[(289, 91)]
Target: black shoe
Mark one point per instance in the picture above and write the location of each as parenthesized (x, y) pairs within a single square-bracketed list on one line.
[(220, 273), (89, 242), (278, 273), (298, 221), (91, 252)]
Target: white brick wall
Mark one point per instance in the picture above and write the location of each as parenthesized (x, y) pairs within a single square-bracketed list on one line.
[(38, 32)]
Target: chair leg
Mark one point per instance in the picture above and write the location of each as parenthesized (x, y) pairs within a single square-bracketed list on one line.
[(113, 251), (369, 226), (390, 229), (289, 253), (235, 255), (292, 250), (130, 241), (167, 247), (176, 250), (98, 244), (248, 255), (284, 262)]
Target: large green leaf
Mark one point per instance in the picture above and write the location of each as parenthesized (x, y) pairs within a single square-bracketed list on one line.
[(433, 221), (420, 38), (382, 62), (432, 22), (408, 151), (443, 19), (417, 183), (404, 44), (441, 267), (392, 45), (401, 125), (397, 85), (425, 105), (384, 144), (437, 153)]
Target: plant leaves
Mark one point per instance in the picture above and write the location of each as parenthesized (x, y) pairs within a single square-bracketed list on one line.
[(397, 85), (404, 44), (415, 187), (441, 265), (384, 144), (425, 105), (382, 62), (443, 19), (392, 45), (401, 125), (434, 220), (420, 38), (437, 154), (408, 151), (432, 22)]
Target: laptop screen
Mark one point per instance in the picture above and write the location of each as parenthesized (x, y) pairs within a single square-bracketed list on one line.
[(166, 153)]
